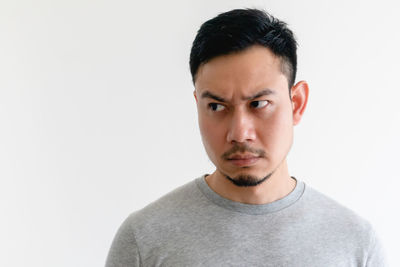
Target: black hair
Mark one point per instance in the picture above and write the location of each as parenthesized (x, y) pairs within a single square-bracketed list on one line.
[(238, 29)]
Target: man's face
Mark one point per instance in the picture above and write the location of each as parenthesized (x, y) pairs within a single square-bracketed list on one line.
[(245, 113)]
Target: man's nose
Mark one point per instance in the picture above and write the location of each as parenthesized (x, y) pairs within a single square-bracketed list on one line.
[(241, 128)]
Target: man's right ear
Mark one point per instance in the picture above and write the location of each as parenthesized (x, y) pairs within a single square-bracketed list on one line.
[(299, 100), (195, 96)]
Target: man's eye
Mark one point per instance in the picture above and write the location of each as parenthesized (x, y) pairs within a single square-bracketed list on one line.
[(216, 107), (259, 104)]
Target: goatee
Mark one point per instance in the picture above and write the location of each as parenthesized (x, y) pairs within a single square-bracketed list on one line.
[(247, 180)]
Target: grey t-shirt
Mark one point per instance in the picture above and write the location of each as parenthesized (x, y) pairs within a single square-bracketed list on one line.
[(194, 226)]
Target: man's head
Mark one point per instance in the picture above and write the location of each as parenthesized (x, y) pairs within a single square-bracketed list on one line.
[(242, 62)]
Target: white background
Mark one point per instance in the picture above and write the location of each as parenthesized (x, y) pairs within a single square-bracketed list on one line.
[(97, 116)]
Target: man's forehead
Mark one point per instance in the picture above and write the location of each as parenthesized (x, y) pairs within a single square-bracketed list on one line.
[(241, 75)]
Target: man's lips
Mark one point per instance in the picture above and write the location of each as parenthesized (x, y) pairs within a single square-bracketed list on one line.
[(243, 160), (242, 156)]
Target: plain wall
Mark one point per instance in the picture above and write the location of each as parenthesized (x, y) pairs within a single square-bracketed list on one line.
[(97, 116)]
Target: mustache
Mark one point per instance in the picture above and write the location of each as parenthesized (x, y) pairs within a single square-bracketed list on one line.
[(242, 149)]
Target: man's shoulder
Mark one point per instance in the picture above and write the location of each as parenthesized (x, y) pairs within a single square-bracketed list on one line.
[(324, 208), (341, 225), (167, 207)]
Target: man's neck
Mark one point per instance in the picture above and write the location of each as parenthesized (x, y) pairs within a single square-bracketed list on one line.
[(277, 186)]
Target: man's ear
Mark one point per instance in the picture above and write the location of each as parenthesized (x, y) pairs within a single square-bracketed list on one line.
[(195, 96), (299, 100)]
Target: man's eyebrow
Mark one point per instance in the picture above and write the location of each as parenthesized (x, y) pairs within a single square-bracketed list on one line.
[(266, 91), (211, 95)]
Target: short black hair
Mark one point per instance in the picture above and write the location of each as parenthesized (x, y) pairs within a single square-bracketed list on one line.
[(238, 29)]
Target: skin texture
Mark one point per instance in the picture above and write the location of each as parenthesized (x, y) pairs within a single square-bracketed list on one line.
[(244, 110)]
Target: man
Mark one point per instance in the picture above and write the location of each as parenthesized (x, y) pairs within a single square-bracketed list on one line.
[(250, 211)]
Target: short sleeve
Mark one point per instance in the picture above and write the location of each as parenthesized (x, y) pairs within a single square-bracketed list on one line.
[(124, 250), (376, 255)]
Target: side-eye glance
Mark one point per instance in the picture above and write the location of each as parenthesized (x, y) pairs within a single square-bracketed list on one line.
[(259, 103), (216, 106)]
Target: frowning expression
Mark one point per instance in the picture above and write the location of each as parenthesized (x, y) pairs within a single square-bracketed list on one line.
[(245, 112)]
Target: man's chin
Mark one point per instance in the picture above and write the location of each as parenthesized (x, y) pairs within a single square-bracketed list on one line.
[(247, 180)]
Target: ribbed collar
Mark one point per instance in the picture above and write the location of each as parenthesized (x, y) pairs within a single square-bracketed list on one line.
[(255, 209)]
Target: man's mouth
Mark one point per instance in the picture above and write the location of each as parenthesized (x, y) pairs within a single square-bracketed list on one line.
[(242, 160), (243, 156)]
